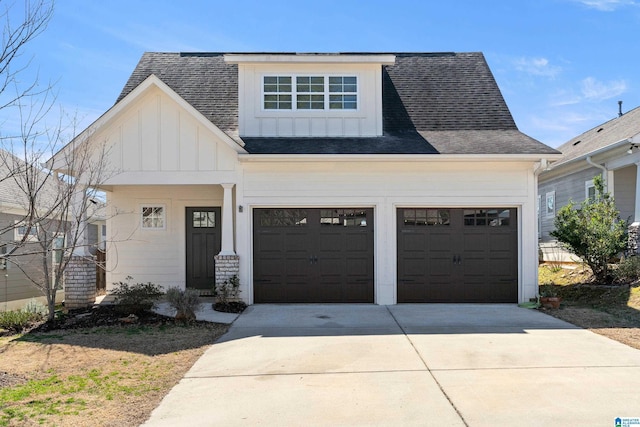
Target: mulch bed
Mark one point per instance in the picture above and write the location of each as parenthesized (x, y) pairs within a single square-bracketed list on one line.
[(111, 315), (104, 315), (230, 307)]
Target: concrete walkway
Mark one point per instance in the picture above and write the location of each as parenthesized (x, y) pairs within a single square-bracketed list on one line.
[(405, 365)]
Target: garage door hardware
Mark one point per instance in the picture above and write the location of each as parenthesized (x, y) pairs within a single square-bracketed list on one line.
[(313, 259), (457, 259)]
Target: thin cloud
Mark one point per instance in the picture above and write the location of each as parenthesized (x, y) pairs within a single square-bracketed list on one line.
[(607, 5), (590, 90), (594, 90), (537, 67)]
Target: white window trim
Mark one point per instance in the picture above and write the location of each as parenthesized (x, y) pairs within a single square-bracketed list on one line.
[(55, 250), (587, 185), (164, 216), (18, 236), (550, 204), (539, 215), (325, 93)]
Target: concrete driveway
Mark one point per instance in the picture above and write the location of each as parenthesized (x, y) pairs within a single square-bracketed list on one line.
[(405, 365)]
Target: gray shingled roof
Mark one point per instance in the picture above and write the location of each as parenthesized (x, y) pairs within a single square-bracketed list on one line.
[(12, 184), (432, 103), (607, 133)]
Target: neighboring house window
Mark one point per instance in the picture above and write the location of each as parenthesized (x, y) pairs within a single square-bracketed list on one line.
[(551, 203), (153, 217), (310, 92), (103, 238), (58, 246), (21, 230), (589, 190)]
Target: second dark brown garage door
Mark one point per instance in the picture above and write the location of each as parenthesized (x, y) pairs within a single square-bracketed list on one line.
[(313, 255), (457, 255)]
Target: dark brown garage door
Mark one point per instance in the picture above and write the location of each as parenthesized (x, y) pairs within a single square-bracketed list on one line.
[(313, 255), (457, 255)]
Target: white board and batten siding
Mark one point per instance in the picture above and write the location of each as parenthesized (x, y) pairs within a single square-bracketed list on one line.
[(386, 186), (154, 140), (161, 155), (255, 121), (148, 255)]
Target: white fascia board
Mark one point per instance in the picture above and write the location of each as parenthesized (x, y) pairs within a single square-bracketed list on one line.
[(607, 154), (623, 142), (112, 113), (396, 157), (328, 58)]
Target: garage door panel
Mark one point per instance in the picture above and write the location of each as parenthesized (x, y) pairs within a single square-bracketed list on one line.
[(413, 244), (438, 240), (357, 268), (413, 267), (500, 268), (324, 255), (358, 242), (464, 255), (439, 267), (329, 241), (500, 242)]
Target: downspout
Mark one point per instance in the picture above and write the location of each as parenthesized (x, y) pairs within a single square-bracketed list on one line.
[(605, 180), (538, 169)]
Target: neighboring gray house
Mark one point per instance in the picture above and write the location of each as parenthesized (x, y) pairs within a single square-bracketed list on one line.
[(611, 150), (16, 289)]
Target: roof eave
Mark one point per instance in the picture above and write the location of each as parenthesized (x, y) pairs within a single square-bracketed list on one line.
[(239, 58), (635, 139), (396, 157)]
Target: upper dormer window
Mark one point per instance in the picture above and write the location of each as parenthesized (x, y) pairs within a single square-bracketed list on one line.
[(310, 92), (343, 93)]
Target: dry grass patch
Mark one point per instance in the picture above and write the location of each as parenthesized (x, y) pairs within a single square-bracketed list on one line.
[(612, 311), (107, 376)]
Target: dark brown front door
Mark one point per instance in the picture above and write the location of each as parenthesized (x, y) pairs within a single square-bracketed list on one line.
[(203, 243), (457, 255), (313, 255)]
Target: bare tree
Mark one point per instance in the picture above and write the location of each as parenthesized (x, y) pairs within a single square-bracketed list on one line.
[(59, 206), (36, 15), (50, 226)]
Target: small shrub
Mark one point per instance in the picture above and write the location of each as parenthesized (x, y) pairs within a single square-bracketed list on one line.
[(136, 298), (227, 296), (35, 307), (628, 270), (228, 290), (17, 321), (185, 302), (594, 231)]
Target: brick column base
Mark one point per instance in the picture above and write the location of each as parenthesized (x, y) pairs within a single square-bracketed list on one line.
[(633, 239), (80, 282), (227, 266)]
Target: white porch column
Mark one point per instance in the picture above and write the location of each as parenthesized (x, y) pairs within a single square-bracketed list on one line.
[(227, 221), (79, 212)]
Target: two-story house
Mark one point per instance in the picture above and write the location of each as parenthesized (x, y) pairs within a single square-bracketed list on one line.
[(352, 177)]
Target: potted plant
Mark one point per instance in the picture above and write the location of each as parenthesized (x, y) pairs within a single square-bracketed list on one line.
[(549, 297)]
